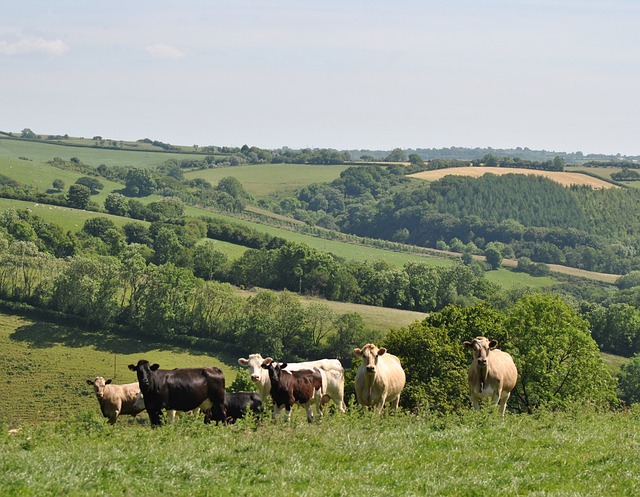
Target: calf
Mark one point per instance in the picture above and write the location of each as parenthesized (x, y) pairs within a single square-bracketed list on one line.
[(291, 387), (491, 374), (116, 399), (181, 389), (237, 404)]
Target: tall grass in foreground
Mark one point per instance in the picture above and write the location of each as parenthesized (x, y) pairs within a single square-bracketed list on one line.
[(571, 453)]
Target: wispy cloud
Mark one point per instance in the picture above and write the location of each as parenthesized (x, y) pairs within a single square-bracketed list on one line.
[(34, 46), (162, 51)]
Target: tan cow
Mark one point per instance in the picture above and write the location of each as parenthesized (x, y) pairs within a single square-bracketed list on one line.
[(380, 378), (491, 374), (116, 399)]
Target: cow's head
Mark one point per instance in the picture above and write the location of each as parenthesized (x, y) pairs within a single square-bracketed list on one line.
[(254, 363), (481, 347), (273, 368), (144, 372), (98, 385), (370, 354), (138, 405)]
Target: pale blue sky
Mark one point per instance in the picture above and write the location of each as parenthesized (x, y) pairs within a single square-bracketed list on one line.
[(557, 75)]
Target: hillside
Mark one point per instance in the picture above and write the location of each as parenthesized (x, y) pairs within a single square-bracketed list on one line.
[(564, 178)]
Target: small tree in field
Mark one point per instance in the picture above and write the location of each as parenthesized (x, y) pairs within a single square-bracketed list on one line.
[(58, 184)]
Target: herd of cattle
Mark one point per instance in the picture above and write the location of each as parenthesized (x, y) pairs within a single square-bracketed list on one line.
[(379, 380)]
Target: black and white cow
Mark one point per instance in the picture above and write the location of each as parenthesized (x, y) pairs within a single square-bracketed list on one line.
[(181, 389)]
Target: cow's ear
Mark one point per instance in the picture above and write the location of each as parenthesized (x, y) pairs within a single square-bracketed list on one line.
[(154, 367), (132, 367), (382, 351), (357, 352), (243, 362), (89, 382), (467, 345), (108, 382), (283, 365), (493, 344)]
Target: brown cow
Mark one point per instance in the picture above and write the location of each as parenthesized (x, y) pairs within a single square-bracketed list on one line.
[(380, 378), (116, 399), (491, 374), (293, 387)]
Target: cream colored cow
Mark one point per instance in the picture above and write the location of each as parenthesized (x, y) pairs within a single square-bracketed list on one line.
[(491, 374), (116, 399), (380, 378)]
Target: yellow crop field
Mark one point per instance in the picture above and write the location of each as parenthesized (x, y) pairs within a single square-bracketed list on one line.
[(564, 178)]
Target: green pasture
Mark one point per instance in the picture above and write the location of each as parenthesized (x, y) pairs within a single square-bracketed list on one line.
[(602, 172), (264, 180), (43, 152), (46, 366), (61, 445), (69, 219)]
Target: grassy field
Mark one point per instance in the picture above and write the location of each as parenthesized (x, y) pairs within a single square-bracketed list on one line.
[(550, 454), (63, 446), (45, 366), (43, 152), (564, 178), (266, 180)]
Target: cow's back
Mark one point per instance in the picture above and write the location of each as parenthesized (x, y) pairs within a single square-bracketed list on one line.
[(185, 389), (502, 368), (127, 395)]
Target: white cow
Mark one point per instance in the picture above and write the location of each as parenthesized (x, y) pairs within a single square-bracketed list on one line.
[(331, 370), (491, 374), (380, 378)]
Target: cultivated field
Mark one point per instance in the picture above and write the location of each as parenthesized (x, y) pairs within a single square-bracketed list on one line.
[(564, 178)]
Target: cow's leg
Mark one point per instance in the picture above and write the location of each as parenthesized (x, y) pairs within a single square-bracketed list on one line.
[(307, 406), (395, 402), (155, 417), (113, 417), (276, 411), (503, 402), (171, 416), (380, 404), (475, 401), (288, 411)]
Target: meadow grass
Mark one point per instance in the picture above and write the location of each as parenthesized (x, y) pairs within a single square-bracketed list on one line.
[(264, 180), (45, 365), (43, 152), (563, 453)]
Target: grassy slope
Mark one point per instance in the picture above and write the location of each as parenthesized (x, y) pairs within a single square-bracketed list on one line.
[(43, 152), (268, 179), (578, 454), (43, 367)]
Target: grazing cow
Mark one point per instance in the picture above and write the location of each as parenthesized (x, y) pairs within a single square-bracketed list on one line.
[(380, 378), (293, 387), (331, 370), (116, 399), (181, 389), (237, 404), (491, 374)]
